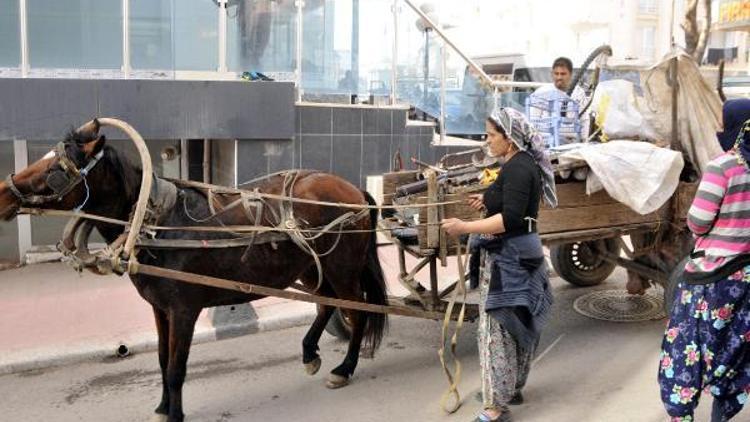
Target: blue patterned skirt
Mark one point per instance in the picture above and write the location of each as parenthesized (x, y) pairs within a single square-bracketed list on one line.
[(707, 348)]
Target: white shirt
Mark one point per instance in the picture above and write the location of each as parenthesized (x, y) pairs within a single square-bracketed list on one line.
[(578, 95)]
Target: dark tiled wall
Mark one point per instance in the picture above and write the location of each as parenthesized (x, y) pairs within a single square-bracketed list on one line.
[(352, 142), (157, 109)]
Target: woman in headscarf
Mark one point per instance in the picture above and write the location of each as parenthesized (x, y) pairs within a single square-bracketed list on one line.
[(512, 274), (706, 346)]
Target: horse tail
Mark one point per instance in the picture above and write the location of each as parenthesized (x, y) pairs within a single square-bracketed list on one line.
[(373, 284)]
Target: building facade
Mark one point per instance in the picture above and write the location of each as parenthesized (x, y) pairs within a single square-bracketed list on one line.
[(172, 68)]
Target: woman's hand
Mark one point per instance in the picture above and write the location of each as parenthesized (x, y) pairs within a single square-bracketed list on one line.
[(453, 226), (476, 201)]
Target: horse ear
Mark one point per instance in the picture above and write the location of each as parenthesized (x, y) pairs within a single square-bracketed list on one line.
[(89, 129), (92, 148)]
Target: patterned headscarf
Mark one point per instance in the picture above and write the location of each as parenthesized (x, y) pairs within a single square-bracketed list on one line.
[(517, 127)]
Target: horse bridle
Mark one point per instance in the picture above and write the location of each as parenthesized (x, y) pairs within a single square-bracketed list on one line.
[(61, 181)]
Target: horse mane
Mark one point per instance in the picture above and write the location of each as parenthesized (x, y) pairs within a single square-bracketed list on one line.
[(129, 173)]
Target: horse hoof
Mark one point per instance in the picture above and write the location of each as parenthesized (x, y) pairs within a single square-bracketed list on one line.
[(159, 418), (313, 367), (336, 381)]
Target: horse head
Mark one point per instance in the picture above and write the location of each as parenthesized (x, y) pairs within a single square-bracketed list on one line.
[(57, 180)]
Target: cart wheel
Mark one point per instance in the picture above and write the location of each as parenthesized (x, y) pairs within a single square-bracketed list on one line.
[(339, 326), (579, 263), (670, 288)]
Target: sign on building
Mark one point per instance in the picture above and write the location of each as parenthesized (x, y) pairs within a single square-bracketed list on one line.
[(734, 15)]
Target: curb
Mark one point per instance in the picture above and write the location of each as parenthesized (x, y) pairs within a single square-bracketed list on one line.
[(30, 360)]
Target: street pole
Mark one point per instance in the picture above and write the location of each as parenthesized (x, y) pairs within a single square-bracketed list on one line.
[(426, 71)]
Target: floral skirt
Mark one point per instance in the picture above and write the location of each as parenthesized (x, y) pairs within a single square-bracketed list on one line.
[(707, 348), (505, 366)]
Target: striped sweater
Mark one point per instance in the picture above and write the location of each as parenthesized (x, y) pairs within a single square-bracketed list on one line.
[(720, 214)]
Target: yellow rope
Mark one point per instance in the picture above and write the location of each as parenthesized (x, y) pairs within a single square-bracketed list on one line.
[(453, 378), (237, 229)]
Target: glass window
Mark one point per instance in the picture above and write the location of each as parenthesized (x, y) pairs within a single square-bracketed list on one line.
[(347, 47), (196, 35), (151, 34), (648, 7), (375, 54), (415, 75), (648, 48), (10, 44), (327, 48), (75, 34), (261, 35)]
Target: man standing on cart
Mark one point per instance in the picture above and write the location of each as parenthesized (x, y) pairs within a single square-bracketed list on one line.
[(562, 75)]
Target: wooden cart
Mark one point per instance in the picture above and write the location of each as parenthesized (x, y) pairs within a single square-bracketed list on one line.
[(584, 233)]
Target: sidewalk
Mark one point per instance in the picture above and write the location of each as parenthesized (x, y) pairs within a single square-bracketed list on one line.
[(54, 316)]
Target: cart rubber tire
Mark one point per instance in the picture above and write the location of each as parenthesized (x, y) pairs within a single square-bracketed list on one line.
[(338, 326), (578, 265), (670, 288)]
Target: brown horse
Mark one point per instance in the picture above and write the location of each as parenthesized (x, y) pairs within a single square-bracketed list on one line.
[(85, 173)]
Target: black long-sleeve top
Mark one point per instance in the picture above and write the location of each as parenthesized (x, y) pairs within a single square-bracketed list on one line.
[(515, 194)]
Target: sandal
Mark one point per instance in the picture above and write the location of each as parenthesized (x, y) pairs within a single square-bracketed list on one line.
[(503, 417)]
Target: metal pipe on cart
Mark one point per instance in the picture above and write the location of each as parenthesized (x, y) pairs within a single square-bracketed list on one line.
[(421, 185)]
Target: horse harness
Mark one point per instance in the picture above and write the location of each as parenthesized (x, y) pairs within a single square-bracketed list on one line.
[(285, 226), (61, 181)]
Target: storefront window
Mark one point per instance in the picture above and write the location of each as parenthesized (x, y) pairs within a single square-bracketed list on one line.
[(75, 34), (327, 47), (10, 45), (347, 47), (261, 35), (151, 34), (196, 35)]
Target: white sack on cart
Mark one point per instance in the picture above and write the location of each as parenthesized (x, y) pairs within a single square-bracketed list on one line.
[(618, 111), (637, 174)]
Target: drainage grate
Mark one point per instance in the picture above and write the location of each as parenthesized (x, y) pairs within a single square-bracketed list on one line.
[(620, 306)]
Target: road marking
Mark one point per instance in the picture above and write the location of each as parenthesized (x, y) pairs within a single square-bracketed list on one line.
[(547, 350)]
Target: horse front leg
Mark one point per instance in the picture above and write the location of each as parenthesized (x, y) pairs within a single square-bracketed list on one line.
[(340, 375), (162, 328), (181, 327)]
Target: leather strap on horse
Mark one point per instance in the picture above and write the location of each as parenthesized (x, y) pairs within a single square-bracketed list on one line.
[(247, 200), (453, 378), (296, 233)]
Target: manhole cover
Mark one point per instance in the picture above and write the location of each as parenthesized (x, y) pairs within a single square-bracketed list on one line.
[(620, 306)]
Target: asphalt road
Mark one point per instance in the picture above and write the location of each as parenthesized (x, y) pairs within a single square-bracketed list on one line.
[(586, 370)]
